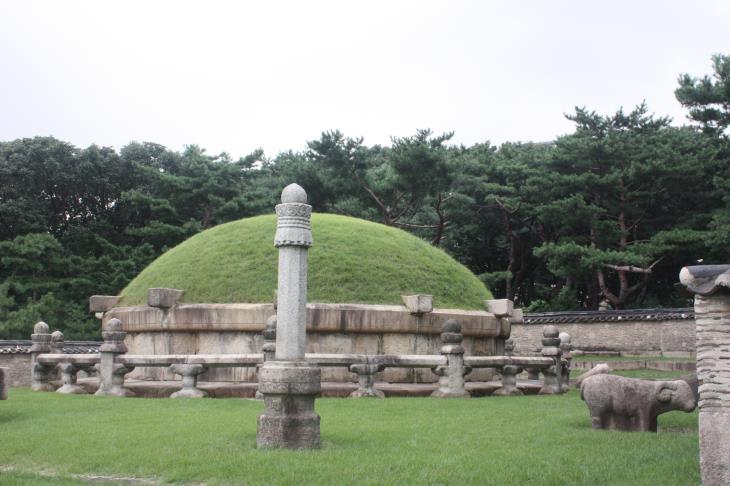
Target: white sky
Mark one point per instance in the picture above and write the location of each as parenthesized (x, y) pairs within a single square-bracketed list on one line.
[(234, 76)]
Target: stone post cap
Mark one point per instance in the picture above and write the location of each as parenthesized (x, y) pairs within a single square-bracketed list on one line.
[(56, 337), (293, 227), (500, 307), (41, 328), (163, 298), (706, 279), (418, 304), (517, 317), (113, 336), (103, 303)]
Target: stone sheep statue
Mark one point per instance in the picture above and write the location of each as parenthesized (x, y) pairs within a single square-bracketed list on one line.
[(630, 404)]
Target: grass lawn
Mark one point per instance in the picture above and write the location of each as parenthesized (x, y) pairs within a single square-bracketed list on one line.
[(46, 438)]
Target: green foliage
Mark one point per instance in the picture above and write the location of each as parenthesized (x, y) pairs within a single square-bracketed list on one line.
[(708, 98), (611, 211), (352, 261), (528, 440)]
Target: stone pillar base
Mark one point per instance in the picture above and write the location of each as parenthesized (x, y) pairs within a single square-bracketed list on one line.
[(289, 420), (715, 447)]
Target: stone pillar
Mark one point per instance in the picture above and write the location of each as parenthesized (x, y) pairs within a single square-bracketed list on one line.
[(565, 359), (68, 377), (451, 381), (268, 350), (4, 383), (509, 374), (551, 349), (189, 374), (290, 384), (41, 373), (111, 373), (711, 286), (366, 380)]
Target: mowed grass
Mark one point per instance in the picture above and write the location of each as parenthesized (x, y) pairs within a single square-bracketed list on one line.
[(47, 438), (352, 261)]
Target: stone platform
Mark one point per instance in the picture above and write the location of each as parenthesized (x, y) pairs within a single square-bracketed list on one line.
[(163, 389)]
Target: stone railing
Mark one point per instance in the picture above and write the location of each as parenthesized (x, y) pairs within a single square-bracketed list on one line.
[(113, 363)]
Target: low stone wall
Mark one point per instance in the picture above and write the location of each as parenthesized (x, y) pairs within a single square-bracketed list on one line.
[(15, 356), (18, 366), (331, 328), (649, 332)]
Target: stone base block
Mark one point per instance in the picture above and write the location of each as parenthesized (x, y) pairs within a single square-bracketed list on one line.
[(299, 431), (450, 394), (289, 420), (72, 390), (506, 392), (115, 392), (715, 447), (189, 393), (367, 393)]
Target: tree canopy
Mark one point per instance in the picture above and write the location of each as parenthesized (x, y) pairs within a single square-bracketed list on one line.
[(609, 212)]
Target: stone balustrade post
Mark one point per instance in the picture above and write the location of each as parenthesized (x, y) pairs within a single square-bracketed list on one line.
[(366, 380), (4, 383), (69, 373), (189, 374), (711, 286), (268, 350), (552, 374), (565, 359), (290, 384), (509, 374), (41, 373), (451, 376), (111, 373)]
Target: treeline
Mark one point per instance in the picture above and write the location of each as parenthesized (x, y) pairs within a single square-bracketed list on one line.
[(610, 212)]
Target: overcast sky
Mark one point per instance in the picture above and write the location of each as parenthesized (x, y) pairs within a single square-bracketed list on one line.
[(234, 76)]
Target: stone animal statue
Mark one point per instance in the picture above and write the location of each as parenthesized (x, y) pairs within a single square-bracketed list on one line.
[(601, 368), (630, 404)]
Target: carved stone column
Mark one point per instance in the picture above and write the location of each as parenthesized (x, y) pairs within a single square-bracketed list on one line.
[(69, 373), (290, 384), (189, 374), (565, 359), (111, 373), (366, 380), (711, 286), (4, 378), (451, 381), (41, 373), (509, 374), (551, 349)]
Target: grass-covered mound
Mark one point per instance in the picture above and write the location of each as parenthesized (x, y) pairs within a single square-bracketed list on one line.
[(352, 261)]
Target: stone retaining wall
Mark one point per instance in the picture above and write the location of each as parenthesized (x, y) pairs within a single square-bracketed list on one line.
[(331, 328), (650, 332)]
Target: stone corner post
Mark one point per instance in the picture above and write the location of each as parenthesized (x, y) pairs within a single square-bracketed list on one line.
[(553, 373), (451, 376), (711, 286), (111, 373), (288, 383), (41, 373), (4, 379)]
